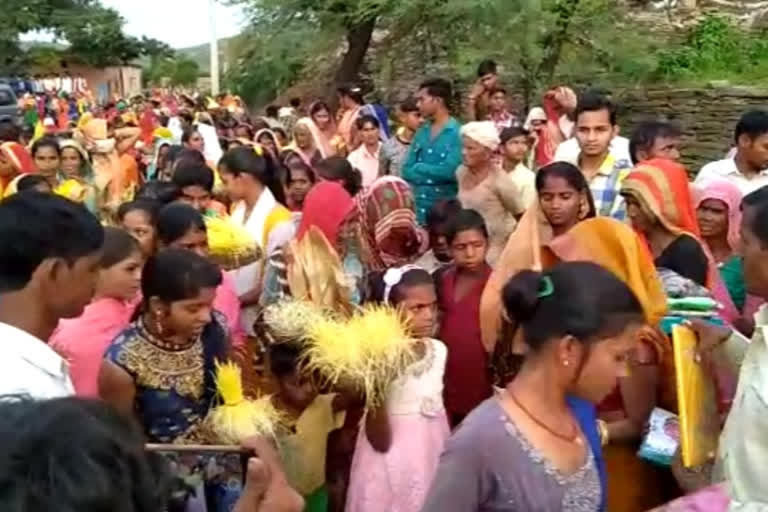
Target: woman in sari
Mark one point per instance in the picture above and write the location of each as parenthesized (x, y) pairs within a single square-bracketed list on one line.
[(388, 231), (563, 201), (351, 101), (252, 187), (719, 214), (305, 143), (77, 175), (633, 485), (329, 209), (661, 210), (267, 139), (330, 143), (15, 161)]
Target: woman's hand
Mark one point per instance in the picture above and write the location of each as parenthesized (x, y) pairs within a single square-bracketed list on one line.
[(710, 336)]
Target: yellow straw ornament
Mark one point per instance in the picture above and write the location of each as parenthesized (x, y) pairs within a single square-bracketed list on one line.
[(238, 417), (369, 351)]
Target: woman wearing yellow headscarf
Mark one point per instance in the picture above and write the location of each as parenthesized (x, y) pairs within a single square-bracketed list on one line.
[(633, 485)]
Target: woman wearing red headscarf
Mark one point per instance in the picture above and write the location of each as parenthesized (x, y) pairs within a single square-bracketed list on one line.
[(14, 162)]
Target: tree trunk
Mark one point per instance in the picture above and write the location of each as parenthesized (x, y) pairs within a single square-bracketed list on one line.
[(359, 36), (554, 41)]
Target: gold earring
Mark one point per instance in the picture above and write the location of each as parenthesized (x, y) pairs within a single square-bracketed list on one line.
[(158, 325)]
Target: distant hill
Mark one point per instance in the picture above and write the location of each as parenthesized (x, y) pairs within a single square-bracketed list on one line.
[(201, 53)]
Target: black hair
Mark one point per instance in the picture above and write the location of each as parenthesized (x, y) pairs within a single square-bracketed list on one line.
[(279, 130), (594, 102), (645, 134), (410, 104), (759, 223), (367, 119), (173, 153), (175, 220), (438, 88), (272, 110), (336, 168), (148, 206), (45, 142), (36, 226), (163, 192), (487, 67), (266, 134), (465, 220), (298, 165), (497, 90), (9, 132), (118, 245), (753, 124), (441, 213), (352, 91), (263, 168), (572, 175), (188, 132), (580, 299), (511, 132), (319, 106), (72, 454), (187, 155), (756, 197), (177, 274), (411, 278), (295, 102), (284, 359), (30, 181), (189, 174)]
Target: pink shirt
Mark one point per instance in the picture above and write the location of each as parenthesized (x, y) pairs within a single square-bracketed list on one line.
[(82, 341), (227, 302), (366, 162)]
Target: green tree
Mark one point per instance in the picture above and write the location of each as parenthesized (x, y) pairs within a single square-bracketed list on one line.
[(185, 72)]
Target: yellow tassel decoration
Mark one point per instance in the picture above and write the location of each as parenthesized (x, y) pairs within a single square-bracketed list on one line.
[(238, 417), (368, 351), (290, 320), (230, 245)]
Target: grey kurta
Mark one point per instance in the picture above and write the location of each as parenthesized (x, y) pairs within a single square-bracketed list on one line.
[(488, 466)]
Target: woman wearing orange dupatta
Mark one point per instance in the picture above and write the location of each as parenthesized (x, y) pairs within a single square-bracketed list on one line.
[(15, 161), (563, 200), (633, 485), (661, 210)]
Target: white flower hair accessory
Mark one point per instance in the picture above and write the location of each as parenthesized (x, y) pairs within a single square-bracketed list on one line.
[(393, 276)]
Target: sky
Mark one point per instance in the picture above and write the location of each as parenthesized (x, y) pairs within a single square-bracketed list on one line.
[(180, 23)]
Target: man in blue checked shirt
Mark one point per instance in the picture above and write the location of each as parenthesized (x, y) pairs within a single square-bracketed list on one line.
[(595, 128), (435, 153)]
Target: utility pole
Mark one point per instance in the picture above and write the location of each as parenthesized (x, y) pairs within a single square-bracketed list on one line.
[(214, 46)]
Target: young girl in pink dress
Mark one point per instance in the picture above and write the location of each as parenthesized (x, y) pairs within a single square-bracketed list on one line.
[(399, 444), (82, 341)]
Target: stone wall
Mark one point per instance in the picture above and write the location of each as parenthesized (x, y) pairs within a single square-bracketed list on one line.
[(706, 115)]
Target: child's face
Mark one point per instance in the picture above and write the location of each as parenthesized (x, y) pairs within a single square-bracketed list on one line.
[(516, 148), (420, 306), (469, 249), (296, 391), (439, 244)]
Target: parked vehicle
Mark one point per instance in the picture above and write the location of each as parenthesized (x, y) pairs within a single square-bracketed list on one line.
[(9, 106)]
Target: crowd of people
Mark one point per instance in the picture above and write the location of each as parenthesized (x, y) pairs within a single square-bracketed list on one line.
[(531, 256)]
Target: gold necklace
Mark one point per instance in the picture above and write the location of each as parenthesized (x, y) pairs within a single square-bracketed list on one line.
[(572, 437)]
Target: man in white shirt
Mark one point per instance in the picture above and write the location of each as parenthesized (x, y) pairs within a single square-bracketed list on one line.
[(748, 168), (49, 261)]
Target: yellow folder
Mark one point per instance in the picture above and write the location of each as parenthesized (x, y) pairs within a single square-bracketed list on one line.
[(696, 399)]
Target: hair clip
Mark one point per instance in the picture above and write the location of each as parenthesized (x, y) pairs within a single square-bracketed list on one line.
[(393, 276), (546, 287)]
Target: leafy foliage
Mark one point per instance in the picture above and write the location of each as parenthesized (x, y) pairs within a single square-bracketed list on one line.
[(94, 33), (715, 48)]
